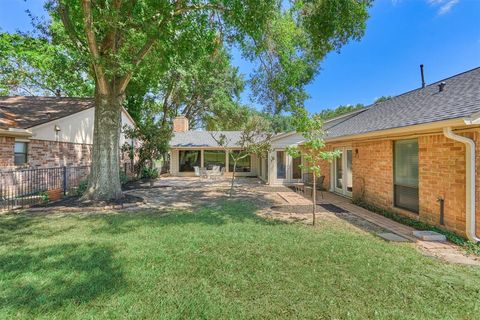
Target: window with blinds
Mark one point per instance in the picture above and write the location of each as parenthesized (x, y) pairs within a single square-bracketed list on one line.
[(405, 170)]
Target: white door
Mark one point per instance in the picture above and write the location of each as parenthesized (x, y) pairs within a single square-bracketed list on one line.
[(342, 170)]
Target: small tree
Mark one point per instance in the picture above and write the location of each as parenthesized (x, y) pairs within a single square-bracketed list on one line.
[(253, 140), (311, 127), (154, 135)]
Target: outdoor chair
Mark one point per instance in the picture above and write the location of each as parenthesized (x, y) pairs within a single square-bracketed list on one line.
[(197, 171), (308, 182), (215, 172)]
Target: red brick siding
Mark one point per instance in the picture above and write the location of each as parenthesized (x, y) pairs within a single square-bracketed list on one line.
[(441, 173), (372, 170), (42, 153), (6, 151)]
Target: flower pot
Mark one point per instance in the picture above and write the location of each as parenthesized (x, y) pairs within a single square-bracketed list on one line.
[(54, 194)]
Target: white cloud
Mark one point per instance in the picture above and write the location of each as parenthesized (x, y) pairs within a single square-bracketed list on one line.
[(444, 6)]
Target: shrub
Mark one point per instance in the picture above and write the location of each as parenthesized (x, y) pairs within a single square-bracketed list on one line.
[(82, 187), (149, 173)]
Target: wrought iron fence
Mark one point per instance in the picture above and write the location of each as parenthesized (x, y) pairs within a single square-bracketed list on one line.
[(26, 187)]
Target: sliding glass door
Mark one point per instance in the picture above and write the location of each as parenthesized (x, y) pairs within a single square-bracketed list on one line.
[(343, 178)]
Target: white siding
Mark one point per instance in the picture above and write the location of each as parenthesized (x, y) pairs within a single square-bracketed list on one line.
[(76, 128)]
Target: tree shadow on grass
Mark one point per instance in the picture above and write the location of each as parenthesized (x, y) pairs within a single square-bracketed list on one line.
[(16, 228), (47, 278), (217, 213)]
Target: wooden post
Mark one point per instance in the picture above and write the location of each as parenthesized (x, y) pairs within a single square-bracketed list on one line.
[(314, 196)]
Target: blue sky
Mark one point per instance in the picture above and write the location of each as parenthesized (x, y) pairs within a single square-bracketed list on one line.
[(444, 35)]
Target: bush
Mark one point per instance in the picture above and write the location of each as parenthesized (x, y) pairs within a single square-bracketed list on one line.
[(82, 187), (149, 173)]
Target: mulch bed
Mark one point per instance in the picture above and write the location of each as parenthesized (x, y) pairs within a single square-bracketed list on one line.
[(75, 203)]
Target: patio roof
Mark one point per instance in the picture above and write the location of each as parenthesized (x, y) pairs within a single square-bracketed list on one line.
[(204, 139)]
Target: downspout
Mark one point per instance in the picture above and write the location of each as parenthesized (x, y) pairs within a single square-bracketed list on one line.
[(470, 181)]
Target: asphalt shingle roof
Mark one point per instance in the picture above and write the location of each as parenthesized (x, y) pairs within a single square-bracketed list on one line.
[(460, 98), (190, 139), (26, 112)]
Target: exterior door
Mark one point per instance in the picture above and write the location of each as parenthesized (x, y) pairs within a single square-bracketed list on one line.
[(342, 171), (281, 165)]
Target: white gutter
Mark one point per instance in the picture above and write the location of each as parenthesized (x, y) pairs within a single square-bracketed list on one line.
[(469, 181)]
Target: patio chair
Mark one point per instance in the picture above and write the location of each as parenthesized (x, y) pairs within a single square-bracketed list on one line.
[(308, 182), (204, 172), (197, 171), (215, 172)]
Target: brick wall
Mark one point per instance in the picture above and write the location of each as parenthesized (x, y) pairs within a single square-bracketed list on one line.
[(372, 169), (43, 153), (441, 173), (6, 151), (180, 124)]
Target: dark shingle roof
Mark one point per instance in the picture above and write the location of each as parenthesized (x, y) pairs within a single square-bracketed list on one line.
[(26, 112), (460, 98), (191, 139)]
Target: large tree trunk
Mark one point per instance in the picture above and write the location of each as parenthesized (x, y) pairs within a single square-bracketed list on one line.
[(104, 181)]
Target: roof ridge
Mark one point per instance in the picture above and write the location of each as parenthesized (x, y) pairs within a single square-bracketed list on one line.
[(421, 88)]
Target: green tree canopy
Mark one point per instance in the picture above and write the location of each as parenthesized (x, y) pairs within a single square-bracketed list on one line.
[(120, 38), (32, 65)]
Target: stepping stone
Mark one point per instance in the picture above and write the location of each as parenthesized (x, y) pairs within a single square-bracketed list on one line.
[(391, 237), (429, 236)]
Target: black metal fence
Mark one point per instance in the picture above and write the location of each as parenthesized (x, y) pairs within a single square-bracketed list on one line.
[(22, 188)]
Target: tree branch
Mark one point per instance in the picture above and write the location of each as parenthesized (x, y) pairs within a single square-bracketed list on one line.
[(122, 85), (199, 7), (93, 48), (64, 13)]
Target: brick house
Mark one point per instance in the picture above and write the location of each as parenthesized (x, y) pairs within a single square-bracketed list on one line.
[(48, 132), (417, 154)]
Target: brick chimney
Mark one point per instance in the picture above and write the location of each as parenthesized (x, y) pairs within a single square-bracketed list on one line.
[(180, 124)]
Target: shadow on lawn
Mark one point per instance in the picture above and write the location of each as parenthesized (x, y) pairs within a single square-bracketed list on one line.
[(49, 277), (14, 229), (216, 213)]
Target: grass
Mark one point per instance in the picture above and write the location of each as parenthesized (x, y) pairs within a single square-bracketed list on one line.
[(469, 246), (221, 262)]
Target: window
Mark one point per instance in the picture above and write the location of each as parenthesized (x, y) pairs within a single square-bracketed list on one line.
[(281, 172), (243, 165), (406, 174), (213, 158), (188, 159), (296, 169), (20, 153)]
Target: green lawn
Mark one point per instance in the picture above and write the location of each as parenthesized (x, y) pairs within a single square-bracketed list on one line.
[(221, 262)]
